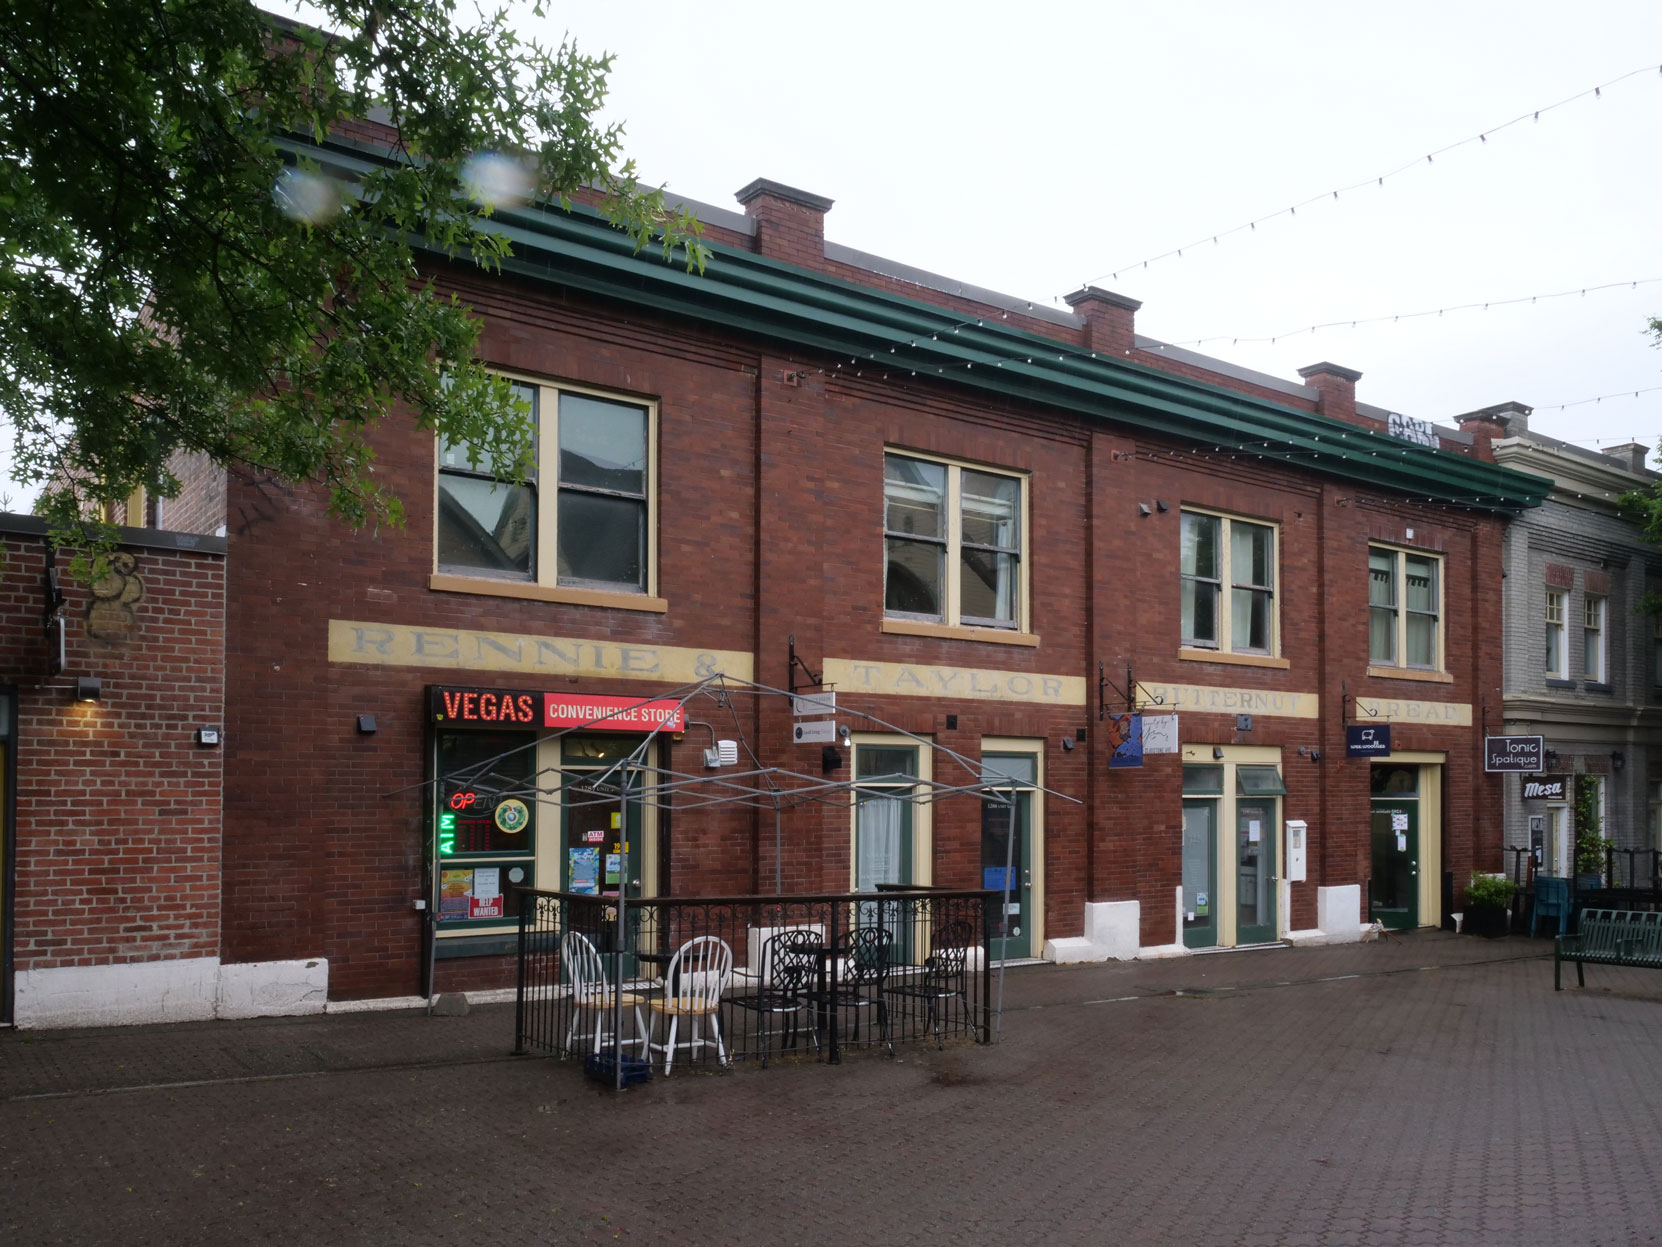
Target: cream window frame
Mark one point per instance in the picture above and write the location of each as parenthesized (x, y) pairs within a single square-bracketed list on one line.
[(1553, 614), (1595, 623), (923, 867), (1225, 883), (544, 583), (1402, 612), (1227, 584), (951, 622)]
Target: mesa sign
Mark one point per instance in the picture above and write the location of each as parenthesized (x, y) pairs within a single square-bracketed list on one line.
[(1513, 753)]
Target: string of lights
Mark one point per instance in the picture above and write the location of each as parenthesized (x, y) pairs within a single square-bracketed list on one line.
[(1378, 180), (1395, 317)]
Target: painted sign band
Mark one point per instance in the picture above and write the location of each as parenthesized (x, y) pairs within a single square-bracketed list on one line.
[(902, 679)]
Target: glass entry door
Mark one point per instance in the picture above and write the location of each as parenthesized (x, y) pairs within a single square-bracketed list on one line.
[(1006, 864), (1255, 873), (1200, 850), (1394, 898)]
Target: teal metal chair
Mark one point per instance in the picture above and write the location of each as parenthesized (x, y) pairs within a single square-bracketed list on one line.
[(1552, 900)]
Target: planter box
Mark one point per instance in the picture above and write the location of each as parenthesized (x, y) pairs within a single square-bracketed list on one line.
[(1489, 923)]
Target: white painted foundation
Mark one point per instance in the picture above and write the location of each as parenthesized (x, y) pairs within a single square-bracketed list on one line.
[(1338, 918), (189, 989)]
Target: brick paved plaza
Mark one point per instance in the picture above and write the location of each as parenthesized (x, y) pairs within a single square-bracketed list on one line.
[(1433, 1090)]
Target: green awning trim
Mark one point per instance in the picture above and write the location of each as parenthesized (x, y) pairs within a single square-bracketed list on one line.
[(797, 309)]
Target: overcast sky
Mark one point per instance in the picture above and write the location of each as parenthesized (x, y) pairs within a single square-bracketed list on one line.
[(1032, 147)]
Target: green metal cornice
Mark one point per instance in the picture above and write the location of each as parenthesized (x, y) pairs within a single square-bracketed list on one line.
[(799, 309)]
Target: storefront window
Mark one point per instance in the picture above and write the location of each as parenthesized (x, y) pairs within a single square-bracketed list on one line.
[(486, 824)]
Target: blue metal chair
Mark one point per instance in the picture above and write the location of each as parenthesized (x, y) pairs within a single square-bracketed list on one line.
[(1552, 900)]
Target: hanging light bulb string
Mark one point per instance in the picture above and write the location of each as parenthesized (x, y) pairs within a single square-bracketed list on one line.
[(1378, 180), (1395, 317)]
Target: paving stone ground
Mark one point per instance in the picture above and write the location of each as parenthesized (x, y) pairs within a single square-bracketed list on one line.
[(1432, 1090)]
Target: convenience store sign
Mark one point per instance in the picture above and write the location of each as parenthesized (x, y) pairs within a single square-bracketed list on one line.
[(592, 712)]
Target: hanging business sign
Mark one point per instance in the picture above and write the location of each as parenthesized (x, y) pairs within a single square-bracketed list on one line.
[(1524, 754), (1159, 733), (1545, 788), (1367, 740), (1125, 735)]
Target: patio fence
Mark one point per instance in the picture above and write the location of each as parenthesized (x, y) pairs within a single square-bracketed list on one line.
[(751, 978), (1629, 879)]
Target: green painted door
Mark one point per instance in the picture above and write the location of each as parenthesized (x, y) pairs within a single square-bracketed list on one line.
[(1009, 933), (1255, 872), (1394, 895), (1200, 852)]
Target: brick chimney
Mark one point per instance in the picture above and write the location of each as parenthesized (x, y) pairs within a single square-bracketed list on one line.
[(790, 223), (1110, 319), (1488, 423), (1631, 455), (1335, 387)]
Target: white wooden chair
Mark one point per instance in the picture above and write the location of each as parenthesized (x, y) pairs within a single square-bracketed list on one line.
[(699, 972), (590, 992)]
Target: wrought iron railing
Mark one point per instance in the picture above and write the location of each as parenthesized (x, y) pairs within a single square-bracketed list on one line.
[(708, 981)]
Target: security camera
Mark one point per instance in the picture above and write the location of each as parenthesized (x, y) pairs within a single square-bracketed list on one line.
[(843, 733)]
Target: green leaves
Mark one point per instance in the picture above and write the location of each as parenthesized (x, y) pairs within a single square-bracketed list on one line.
[(169, 284)]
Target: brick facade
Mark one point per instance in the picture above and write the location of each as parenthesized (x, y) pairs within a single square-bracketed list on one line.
[(770, 525), (116, 851)]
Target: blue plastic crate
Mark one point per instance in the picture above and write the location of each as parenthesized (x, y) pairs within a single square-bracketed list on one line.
[(599, 1066)]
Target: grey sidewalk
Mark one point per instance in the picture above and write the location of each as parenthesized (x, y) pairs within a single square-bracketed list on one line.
[(1322, 1096)]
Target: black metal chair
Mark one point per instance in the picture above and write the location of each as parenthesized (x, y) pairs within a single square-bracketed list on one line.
[(784, 989), (942, 977), (862, 962)]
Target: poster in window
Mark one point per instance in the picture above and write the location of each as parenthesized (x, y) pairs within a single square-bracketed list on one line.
[(486, 900), (455, 892), (584, 870)]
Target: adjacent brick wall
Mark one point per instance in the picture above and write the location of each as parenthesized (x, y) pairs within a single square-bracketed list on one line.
[(118, 809)]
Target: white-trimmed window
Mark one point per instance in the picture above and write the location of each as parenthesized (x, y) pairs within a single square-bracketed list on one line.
[(954, 543), (585, 516), (1227, 572), (1405, 609), (1593, 645), (1556, 662)]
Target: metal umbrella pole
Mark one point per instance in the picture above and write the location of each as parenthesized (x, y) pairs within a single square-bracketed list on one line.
[(622, 927)]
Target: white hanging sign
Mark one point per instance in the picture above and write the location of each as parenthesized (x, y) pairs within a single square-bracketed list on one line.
[(1159, 733)]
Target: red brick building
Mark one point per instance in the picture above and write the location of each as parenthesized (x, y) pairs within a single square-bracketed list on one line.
[(995, 527)]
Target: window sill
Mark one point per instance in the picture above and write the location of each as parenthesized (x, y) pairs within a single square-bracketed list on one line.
[(951, 632), (1235, 660), (1409, 673), (1598, 686), (442, 582), (1555, 681)]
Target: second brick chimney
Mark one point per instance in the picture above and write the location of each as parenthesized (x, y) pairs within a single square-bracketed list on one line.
[(1335, 387), (1488, 423), (1110, 319), (790, 223)]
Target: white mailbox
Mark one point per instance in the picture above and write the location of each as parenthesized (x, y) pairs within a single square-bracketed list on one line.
[(1298, 841)]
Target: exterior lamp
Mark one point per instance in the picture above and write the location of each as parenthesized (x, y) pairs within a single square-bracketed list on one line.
[(88, 688), (1617, 759)]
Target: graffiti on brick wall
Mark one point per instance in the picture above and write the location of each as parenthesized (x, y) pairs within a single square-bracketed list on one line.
[(110, 615)]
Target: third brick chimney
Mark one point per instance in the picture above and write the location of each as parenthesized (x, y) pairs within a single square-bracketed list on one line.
[(790, 223)]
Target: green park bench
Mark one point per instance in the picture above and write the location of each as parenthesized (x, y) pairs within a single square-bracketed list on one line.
[(1609, 937)]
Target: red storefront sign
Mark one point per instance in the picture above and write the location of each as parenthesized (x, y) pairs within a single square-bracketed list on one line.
[(612, 714), (591, 712)]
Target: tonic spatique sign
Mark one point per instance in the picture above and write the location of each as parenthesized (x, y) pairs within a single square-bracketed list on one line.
[(1524, 754), (494, 707)]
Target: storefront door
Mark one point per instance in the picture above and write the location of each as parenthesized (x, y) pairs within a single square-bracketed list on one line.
[(1009, 925), (1255, 858), (603, 849), (1200, 850), (1394, 895)]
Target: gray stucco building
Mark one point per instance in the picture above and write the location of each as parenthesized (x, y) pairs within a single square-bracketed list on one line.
[(1583, 665)]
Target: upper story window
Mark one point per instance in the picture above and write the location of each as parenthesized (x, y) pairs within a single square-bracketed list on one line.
[(1656, 649), (583, 518), (1593, 646), (954, 543), (1556, 662), (1405, 607), (1227, 569)]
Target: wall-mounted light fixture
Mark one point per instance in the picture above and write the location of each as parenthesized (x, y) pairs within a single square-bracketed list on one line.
[(1067, 744), (1144, 510), (366, 725), (1217, 752), (88, 688), (1617, 759), (1161, 507), (1550, 758)]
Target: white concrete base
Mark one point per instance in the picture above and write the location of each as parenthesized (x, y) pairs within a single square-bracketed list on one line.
[(185, 989), (1110, 935), (1339, 913), (260, 989), (1154, 952), (382, 1004)]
